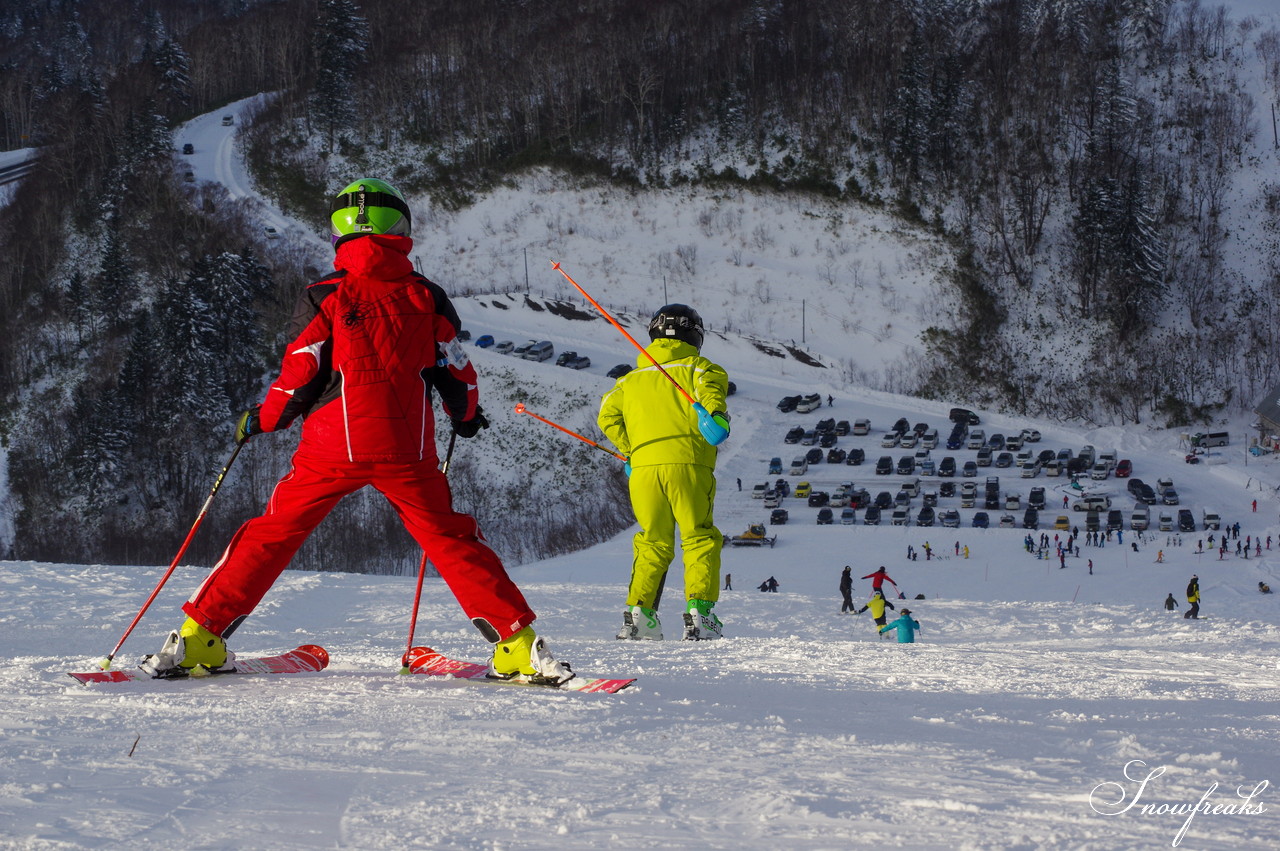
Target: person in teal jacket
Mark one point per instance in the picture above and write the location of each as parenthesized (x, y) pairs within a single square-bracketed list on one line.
[(906, 626)]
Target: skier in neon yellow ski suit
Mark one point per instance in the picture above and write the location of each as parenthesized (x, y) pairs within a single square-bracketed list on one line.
[(672, 471)]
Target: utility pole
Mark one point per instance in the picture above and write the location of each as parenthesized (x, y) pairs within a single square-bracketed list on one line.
[(802, 320), (526, 270), (665, 300)]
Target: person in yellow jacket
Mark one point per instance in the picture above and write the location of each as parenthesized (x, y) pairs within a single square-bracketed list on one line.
[(877, 604), (671, 450)]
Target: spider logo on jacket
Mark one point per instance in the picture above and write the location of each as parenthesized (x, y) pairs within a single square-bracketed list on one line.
[(355, 313)]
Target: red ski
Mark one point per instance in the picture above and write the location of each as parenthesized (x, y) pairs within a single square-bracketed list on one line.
[(308, 657), (424, 660)]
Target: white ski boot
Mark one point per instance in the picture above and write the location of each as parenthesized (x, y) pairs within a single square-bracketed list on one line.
[(639, 624)]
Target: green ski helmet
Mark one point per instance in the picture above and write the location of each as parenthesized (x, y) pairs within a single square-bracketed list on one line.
[(368, 205)]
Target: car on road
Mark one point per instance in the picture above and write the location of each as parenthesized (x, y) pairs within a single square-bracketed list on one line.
[(794, 434), (228, 120), (484, 341), (775, 465), (951, 518), (778, 517), (817, 499), (871, 517), (565, 357), (619, 370), (1062, 523), (824, 517), (884, 500), (981, 520), (856, 456), (1124, 468), (843, 428), (836, 455), (848, 517), (772, 499), (925, 517), (269, 232), (505, 347), (188, 148), (862, 426), (969, 469), (814, 456), (802, 490), (1186, 520), (788, 404), (580, 362), (884, 466)]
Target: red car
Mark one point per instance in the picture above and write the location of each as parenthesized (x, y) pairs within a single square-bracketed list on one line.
[(1124, 468)]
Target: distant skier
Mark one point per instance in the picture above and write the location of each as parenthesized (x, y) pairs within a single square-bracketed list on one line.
[(906, 626), (769, 584), (1264, 588), (671, 447), (846, 589), (877, 605), (1193, 597), (879, 577), (1170, 604)]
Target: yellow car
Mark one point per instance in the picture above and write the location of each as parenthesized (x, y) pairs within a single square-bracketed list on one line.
[(1062, 522), (802, 490)]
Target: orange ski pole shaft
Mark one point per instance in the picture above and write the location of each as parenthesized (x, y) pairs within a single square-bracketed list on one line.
[(521, 409), (616, 324)]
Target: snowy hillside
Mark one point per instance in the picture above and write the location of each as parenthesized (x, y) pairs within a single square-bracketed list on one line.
[(1037, 701), (1032, 689)]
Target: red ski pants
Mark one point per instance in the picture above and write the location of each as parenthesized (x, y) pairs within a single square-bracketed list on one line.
[(262, 548)]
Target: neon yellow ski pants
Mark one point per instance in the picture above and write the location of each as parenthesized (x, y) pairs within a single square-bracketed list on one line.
[(664, 496)]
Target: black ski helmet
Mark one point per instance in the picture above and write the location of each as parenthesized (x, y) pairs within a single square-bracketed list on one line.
[(680, 321)]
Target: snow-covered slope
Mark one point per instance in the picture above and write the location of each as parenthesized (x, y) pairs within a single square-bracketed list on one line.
[(1030, 695)]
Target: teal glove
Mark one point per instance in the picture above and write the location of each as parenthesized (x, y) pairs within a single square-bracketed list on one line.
[(248, 425), (714, 427), (626, 467)]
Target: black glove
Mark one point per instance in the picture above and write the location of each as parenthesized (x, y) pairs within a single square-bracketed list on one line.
[(248, 425), (469, 428)]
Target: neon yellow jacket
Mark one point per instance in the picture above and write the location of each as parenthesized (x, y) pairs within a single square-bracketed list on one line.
[(647, 418)]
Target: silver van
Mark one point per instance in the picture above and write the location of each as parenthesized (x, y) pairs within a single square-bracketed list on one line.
[(799, 466), (540, 351)]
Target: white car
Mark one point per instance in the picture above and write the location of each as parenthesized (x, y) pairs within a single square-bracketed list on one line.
[(1031, 435)]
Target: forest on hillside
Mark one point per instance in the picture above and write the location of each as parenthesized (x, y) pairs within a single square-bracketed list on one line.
[(1087, 159)]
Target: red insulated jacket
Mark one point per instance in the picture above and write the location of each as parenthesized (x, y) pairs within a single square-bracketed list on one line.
[(368, 345)]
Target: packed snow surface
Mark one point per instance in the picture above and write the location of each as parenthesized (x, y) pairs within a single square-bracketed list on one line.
[(1035, 703)]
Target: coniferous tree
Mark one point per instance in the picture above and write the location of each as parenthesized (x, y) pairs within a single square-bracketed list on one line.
[(340, 42)]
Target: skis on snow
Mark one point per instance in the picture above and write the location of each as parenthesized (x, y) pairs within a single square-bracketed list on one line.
[(424, 660), (304, 659)]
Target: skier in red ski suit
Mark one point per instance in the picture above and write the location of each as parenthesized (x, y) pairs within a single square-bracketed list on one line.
[(368, 345), (879, 578)]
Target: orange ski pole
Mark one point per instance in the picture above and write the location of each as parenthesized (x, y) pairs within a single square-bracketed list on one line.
[(616, 324), (521, 409)]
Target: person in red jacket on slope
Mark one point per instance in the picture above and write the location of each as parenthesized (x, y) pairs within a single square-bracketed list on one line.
[(879, 578), (368, 345)]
